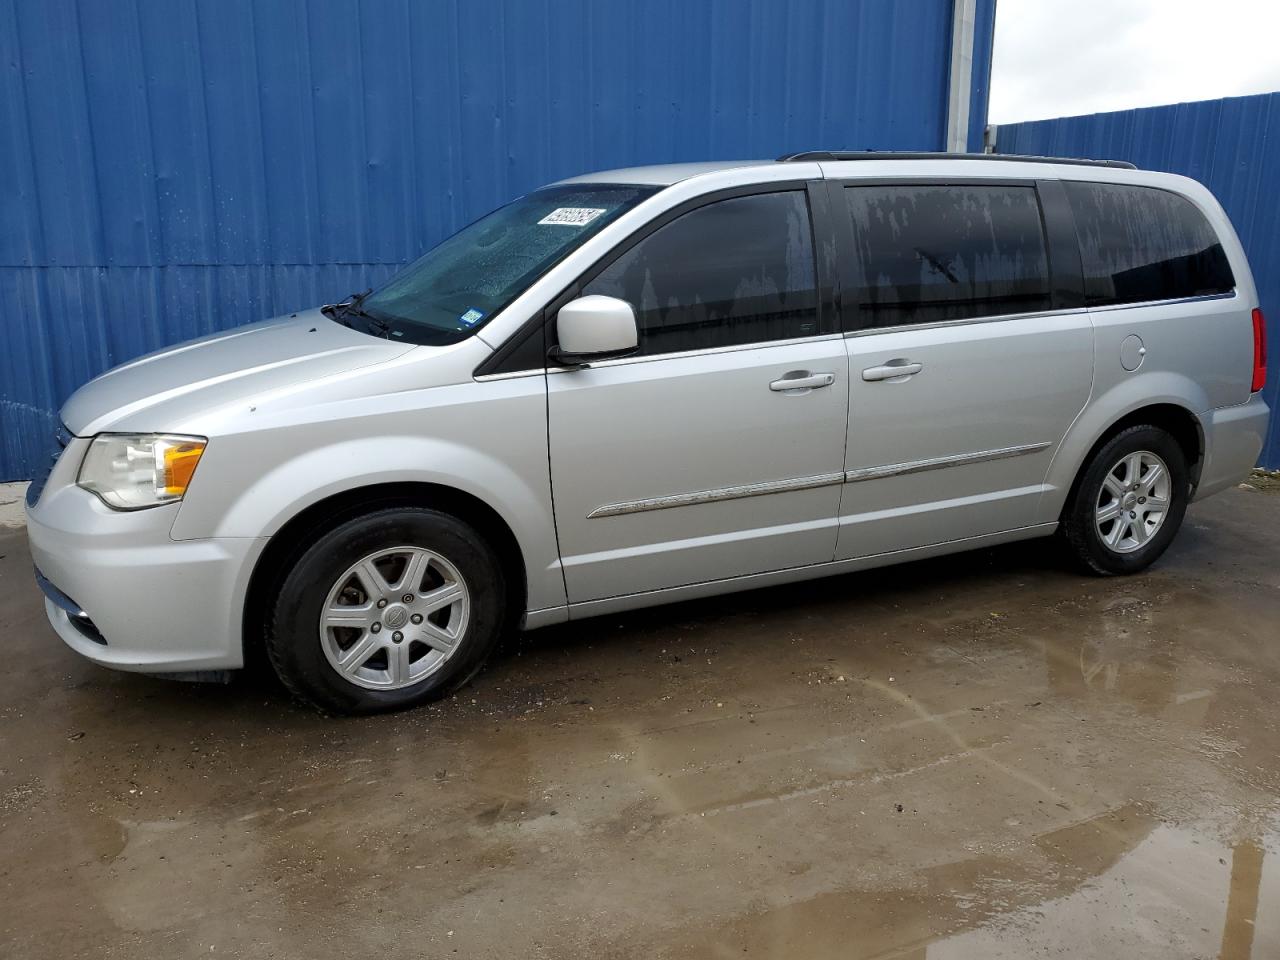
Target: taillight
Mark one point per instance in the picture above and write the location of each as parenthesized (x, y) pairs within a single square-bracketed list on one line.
[(1259, 351)]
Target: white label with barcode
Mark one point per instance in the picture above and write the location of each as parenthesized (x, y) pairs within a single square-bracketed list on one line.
[(571, 216)]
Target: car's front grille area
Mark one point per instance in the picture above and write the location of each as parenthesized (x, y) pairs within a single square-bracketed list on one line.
[(36, 487)]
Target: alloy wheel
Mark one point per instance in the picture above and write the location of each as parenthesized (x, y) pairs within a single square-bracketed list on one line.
[(394, 617), (1133, 502)]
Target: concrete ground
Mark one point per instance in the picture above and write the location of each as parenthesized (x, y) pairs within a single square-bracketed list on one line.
[(979, 757), (11, 495)]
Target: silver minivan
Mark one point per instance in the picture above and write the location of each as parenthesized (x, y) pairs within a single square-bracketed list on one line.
[(653, 384)]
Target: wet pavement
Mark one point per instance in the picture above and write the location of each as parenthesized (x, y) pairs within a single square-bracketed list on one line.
[(984, 756)]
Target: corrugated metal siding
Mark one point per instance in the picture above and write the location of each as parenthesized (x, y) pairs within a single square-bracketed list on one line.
[(1232, 146), (173, 167)]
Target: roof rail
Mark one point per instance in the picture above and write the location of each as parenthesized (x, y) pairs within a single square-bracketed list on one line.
[(901, 155)]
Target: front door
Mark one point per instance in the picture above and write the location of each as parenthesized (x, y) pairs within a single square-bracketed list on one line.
[(965, 371), (718, 449)]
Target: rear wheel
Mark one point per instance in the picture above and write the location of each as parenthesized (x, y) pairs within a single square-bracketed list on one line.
[(1129, 502), (387, 611)]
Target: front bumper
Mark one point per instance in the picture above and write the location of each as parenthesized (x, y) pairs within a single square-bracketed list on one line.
[(157, 605), (1233, 438)]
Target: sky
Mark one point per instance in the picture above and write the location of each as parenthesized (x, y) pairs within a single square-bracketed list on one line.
[(1057, 58)]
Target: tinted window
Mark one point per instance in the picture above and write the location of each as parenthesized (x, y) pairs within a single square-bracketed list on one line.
[(732, 272), (1140, 243), (927, 253)]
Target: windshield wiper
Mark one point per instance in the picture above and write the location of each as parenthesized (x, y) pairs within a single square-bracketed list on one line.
[(337, 311), (351, 307), (381, 326)]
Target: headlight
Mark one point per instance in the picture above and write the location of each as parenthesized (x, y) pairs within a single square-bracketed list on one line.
[(130, 472)]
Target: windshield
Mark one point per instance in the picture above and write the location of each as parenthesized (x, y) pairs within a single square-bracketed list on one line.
[(458, 286)]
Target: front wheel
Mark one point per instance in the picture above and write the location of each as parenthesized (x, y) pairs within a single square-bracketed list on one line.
[(1129, 502), (387, 611)]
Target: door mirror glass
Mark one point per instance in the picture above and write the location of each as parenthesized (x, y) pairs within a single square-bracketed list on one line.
[(594, 328)]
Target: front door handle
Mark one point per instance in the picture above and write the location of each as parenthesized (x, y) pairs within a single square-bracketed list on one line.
[(801, 381), (894, 371)]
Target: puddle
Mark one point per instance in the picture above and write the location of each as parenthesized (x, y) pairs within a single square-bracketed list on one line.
[(1119, 885)]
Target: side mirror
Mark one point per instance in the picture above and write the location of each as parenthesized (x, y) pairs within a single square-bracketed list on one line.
[(594, 328)]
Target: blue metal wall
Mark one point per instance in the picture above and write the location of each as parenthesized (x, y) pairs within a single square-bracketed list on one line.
[(1232, 146), (173, 167)]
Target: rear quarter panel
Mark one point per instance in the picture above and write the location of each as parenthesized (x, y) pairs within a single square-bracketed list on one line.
[(1199, 352)]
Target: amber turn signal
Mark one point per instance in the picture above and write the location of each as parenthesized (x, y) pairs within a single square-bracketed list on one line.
[(179, 464)]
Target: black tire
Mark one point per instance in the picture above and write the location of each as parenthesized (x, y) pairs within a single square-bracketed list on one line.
[(1079, 526), (293, 640)]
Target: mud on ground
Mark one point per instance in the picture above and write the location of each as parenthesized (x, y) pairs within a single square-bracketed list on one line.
[(984, 756)]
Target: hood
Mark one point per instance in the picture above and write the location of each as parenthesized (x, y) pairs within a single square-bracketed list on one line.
[(164, 391)]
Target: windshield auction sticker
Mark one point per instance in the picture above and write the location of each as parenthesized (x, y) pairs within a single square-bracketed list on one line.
[(571, 216)]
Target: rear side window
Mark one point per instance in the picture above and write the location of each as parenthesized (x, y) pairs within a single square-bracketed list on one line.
[(926, 253), (732, 272), (1141, 243)]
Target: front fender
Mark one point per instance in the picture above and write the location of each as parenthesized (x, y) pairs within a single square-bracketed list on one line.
[(252, 482)]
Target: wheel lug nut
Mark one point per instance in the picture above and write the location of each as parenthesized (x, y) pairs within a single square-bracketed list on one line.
[(397, 636), (381, 604), (376, 628), (1133, 515), (1142, 499), (416, 618), (407, 598)]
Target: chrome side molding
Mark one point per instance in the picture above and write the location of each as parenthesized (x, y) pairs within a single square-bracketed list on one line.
[(809, 483), (940, 463), (720, 493)]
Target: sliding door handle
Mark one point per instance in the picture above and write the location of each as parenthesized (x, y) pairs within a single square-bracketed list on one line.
[(893, 370), (801, 381)]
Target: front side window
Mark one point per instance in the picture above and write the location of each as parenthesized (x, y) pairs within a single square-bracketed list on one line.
[(455, 288), (926, 253), (735, 271), (1141, 243)]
